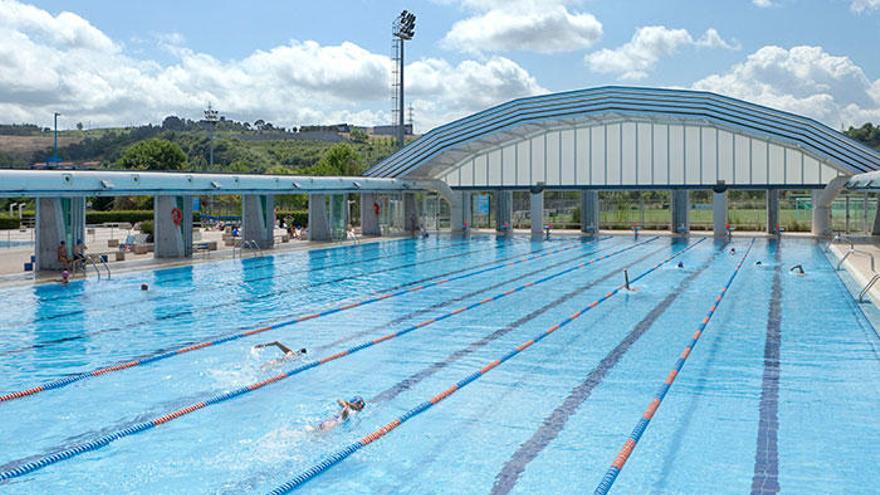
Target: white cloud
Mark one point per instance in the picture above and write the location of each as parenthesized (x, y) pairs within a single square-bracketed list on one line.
[(524, 25), (762, 3), (636, 58), (859, 6), (805, 80), (63, 63)]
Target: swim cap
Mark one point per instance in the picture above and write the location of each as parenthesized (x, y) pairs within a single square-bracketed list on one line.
[(357, 402)]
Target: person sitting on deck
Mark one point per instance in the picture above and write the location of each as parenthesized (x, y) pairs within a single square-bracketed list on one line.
[(79, 251), (289, 354), (349, 407)]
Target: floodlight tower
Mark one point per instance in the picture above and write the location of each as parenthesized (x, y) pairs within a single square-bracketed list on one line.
[(403, 29), (211, 118)]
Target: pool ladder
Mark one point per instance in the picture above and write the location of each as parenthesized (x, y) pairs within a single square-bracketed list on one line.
[(251, 244), (94, 259), (875, 277)]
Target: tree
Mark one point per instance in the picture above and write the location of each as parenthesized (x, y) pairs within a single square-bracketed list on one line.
[(359, 136), (153, 154), (173, 123), (79, 126), (339, 159)]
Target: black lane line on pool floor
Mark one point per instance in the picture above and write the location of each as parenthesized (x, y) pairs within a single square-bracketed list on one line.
[(407, 383), (86, 436), (442, 304), (553, 424), (298, 288), (202, 309), (765, 481), (415, 378)]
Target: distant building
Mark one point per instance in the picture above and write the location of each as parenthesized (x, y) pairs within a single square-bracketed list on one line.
[(390, 130)]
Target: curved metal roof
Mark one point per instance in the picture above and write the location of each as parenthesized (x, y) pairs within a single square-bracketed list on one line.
[(456, 138)]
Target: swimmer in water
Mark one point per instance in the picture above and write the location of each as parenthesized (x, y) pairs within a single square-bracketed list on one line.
[(289, 354), (65, 277), (759, 262), (680, 264), (732, 251), (798, 269), (349, 407)]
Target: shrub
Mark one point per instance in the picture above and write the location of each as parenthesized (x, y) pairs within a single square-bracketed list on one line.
[(7, 222), (300, 217)]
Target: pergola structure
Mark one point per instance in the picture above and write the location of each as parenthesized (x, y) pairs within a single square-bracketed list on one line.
[(626, 138)]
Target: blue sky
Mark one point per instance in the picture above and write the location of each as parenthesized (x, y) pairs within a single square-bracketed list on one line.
[(294, 63)]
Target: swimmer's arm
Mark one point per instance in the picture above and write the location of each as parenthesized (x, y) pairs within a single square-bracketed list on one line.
[(284, 348)]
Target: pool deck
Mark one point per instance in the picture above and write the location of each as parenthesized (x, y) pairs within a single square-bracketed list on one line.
[(858, 264)]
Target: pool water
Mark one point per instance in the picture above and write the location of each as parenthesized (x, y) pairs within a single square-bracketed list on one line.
[(779, 396)]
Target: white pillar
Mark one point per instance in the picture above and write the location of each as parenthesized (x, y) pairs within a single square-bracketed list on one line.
[(258, 219), (681, 205), (590, 212), (170, 238), (504, 211), (58, 219), (773, 211), (536, 212), (822, 199), (319, 221), (719, 214), (369, 217)]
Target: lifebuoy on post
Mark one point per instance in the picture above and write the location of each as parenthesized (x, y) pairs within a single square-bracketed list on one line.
[(376, 208), (176, 216)]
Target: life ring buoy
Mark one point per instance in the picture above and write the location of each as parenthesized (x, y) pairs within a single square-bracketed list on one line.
[(376, 208), (176, 216)]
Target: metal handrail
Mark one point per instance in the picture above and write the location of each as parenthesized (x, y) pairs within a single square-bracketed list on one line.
[(868, 286), (853, 250)]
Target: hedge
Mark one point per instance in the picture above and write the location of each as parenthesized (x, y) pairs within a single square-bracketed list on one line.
[(7, 222), (300, 217), (118, 216)]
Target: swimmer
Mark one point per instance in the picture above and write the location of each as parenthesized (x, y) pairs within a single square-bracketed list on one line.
[(145, 287), (289, 354), (349, 407), (799, 269), (680, 264), (759, 263), (732, 251), (65, 277)]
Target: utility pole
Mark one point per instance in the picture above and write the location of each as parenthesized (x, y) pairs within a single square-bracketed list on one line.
[(55, 157), (403, 29), (211, 118)]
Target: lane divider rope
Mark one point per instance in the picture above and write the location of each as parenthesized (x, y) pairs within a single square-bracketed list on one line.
[(633, 440), (223, 397), (69, 380), (340, 455)]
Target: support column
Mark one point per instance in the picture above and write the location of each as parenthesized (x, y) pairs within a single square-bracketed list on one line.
[(719, 214), (822, 199), (504, 211), (681, 205), (875, 230), (258, 219), (590, 212), (369, 217), (773, 211), (460, 212), (319, 220), (536, 211), (171, 239), (410, 213), (58, 219)]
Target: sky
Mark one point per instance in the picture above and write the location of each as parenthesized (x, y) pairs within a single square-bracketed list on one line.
[(292, 63)]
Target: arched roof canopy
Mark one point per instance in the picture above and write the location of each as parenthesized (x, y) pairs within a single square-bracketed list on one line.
[(631, 137)]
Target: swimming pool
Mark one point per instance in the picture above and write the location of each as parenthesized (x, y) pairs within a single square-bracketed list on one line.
[(109, 389)]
